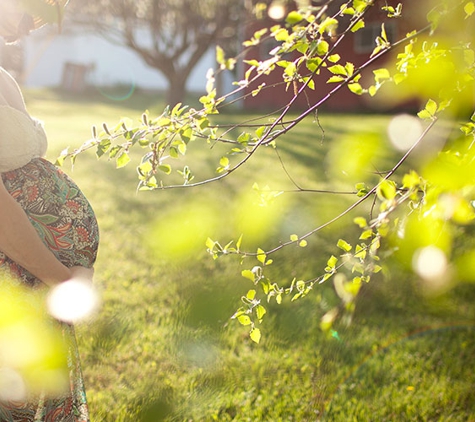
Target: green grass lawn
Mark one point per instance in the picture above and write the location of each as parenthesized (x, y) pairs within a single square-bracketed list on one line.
[(163, 347)]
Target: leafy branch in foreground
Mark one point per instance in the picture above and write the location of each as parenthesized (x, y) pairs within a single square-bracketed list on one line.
[(415, 211)]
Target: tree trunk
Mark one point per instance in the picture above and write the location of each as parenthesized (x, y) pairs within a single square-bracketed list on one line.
[(176, 90)]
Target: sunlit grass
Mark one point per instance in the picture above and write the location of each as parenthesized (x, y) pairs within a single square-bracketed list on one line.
[(163, 344)]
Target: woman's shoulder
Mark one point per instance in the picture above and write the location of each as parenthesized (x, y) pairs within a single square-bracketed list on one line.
[(10, 93), (21, 139)]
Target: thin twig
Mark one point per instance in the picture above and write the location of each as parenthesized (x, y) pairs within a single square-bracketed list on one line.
[(361, 200)]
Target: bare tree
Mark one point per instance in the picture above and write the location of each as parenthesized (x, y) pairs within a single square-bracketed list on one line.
[(171, 36)]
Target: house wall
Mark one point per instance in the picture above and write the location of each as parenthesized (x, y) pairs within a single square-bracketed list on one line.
[(352, 49), (46, 54)]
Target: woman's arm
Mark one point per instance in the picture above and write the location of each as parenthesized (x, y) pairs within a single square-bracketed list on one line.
[(20, 242)]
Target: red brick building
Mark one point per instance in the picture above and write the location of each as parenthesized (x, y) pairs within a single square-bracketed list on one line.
[(355, 48)]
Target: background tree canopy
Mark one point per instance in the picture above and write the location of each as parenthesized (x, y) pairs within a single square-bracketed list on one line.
[(170, 36), (414, 208)]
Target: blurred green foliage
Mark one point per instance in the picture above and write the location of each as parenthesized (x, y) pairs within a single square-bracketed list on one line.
[(378, 212)]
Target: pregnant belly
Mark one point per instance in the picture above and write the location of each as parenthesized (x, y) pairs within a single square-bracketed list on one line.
[(58, 210)]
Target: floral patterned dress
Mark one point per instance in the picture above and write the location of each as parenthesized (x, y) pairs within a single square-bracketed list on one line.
[(65, 221)]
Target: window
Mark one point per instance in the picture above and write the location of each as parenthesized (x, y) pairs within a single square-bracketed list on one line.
[(365, 38)]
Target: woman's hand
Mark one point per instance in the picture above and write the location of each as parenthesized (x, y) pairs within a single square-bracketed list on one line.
[(21, 243), (81, 273)]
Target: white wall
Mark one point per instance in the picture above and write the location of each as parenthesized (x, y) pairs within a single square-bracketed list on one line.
[(46, 52)]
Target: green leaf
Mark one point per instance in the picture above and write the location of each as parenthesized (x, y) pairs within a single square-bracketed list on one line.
[(322, 47), (361, 222), (166, 168), (252, 62), (182, 148), (266, 286), (434, 18), (332, 262), (381, 74), (261, 256), (338, 69), (258, 89), (244, 138), (314, 64), (424, 114), (210, 244), (302, 47), (384, 35), (260, 312), (429, 111), (367, 234), (327, 24), (256, 38), (290, 69), (244, 320), (178, 109), (362, 189), (220, 57), (238, 243), (248, 274), (347, 10), (310, 83), (343, 245), (224, 162), (356, 88), (335, 79), (281, 35), (260, 131), (431, 107), (62, 156), (469, 9), (296, 296), (372, 90), (163, 121), (122, 160), (386, 190), (358, 25), (145, 168), (186, 134), (293, 18), (380, 47), (103, 147), (360, 5), (255, 335), (251, 294), (350, 69), (283, 63), (411, 180)]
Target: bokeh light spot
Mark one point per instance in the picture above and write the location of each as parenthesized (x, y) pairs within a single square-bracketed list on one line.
[(404, 130), (120, 93), (73, 301), (182, 234), (430, 263), (277, 11), (12, 385)]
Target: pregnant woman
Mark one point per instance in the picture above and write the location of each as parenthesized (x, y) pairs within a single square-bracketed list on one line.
[(48, 231)]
